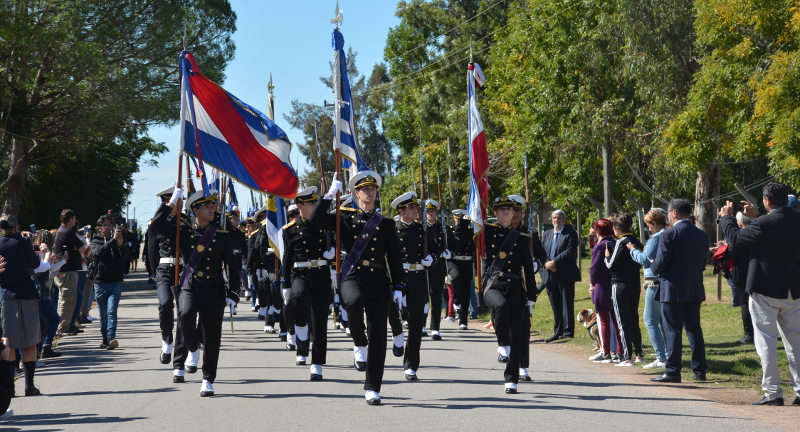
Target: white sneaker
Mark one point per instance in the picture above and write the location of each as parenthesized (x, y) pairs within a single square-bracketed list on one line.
[(9, 412), (347, 330), (166, 348), (626, 363), (462, 327), (40, 364), (658, 364), (206, 389), (90, 318)]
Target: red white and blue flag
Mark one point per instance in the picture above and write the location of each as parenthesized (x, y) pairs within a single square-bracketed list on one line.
[(478, 155), (232, 136)]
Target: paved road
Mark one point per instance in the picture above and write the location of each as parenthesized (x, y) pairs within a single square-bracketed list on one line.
[(259, 388)]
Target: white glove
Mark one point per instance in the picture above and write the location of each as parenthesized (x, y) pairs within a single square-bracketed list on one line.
[(447, 254), (176, 196), (329, 254), (536, 266), (336, 186), (286, 293), (397, 297), (530, 304), (425, 308), (230, 302), (336, 298), (427, 261), (403, 303)]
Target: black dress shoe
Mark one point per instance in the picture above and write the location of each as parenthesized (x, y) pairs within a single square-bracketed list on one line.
[(551, 339), (47, 352), (300, 363), (511, 390), (524, 377), (747, 339), (410, 377), (796, 401), (283, 338), (436, 337), (164, 358), (425, 333), (567, 336), (177, 379), (699, 377), (502, 359), (260, 317), (764, 401), (316, 377), (666, 379), (290, 347), (361, 366), (397, 351), (190, 369), (33, 391), (374, 401)]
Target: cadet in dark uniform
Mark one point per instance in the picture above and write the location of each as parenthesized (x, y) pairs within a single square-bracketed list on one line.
[(306, 271), (438, 271), (541, 255), (461, 267), (258, 295), (270, 266), (367, 288), (161, 255), (238, 239), (509, 294), (205, 292), (416, 260)]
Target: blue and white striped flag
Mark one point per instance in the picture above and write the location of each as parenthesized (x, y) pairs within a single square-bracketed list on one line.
[(344, 137), (276, 219)]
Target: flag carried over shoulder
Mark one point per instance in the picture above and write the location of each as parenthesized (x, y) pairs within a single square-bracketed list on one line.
[(219, 129), (276, 219), (478, 154), (344, 138)]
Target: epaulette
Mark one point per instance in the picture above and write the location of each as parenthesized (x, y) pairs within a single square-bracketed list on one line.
[(289, 224), (348, 209), (264, 222), (491, 224)]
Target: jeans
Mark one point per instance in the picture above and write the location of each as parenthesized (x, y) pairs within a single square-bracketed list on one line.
[(652, 320), (473, 301), (79, 293), (48, 311), (108, 295)]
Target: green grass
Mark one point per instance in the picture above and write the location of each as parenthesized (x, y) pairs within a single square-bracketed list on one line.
[(730, 363)]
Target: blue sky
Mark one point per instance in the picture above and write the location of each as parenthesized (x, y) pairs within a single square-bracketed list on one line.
[(291, 39)]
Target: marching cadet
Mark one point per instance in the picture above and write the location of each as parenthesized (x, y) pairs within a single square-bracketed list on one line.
[(461, 266), (306, 271), (270, 288), (506, 293), (438, 271), (416, 261), (161, 255), (202, 287), (238, 238), (252, 266), (541, 256), (372, 243)]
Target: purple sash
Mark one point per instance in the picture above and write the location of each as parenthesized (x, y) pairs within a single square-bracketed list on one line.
[(202, 245), (359, 246)]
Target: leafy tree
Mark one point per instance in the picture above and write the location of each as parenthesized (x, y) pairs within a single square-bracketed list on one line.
[(95, 71)]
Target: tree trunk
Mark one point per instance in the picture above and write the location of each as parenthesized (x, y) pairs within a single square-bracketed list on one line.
[(707, 187), (608, 179), (17, 174), (450, 176)]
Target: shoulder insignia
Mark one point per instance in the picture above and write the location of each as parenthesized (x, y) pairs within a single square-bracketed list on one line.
[(491, 224), (264, 222), (289, 224)]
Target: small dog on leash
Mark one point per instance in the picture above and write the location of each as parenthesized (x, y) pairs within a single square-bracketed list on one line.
[(588, 318)]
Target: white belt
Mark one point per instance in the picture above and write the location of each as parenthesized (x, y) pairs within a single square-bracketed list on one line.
[(312, 263), (168, 260), (413, 266), (462, 258), (237, 251)]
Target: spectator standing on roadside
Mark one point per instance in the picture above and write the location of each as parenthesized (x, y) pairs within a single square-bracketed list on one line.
[(600, 290), (109, 251), (656, 220), (679, 264), (773, 281), (67, 279)]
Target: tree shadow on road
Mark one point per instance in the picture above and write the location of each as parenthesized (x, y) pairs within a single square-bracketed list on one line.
[(59, 420)]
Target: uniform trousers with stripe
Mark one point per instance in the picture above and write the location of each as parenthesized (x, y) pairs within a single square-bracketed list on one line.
[(311, 296)]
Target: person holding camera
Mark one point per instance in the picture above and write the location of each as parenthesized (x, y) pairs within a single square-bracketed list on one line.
[(67, 278), (110, 252)]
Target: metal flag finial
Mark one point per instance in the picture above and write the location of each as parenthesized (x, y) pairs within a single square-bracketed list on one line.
[(270, 87), (338, 18)]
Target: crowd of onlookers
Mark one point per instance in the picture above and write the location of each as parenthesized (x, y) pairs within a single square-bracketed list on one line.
[(49, 282)]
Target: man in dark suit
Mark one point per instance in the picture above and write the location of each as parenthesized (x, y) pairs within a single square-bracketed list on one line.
[(560, 273), (679, 262), (773, 282)]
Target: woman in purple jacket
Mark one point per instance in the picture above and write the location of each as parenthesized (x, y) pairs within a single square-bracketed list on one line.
[(600, 289)]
